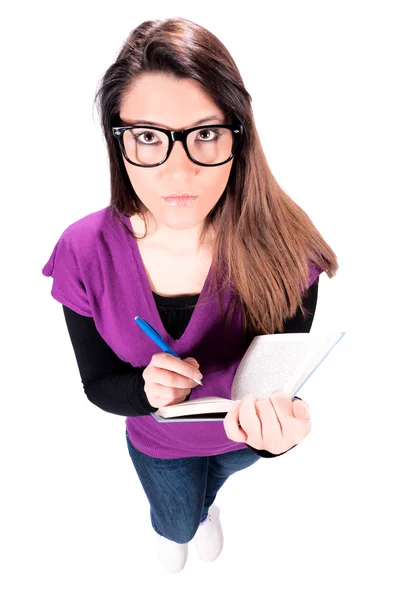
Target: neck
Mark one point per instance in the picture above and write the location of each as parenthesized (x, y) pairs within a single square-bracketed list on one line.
[(181, 240)]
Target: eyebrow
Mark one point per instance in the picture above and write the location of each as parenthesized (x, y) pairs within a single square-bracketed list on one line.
[(146, 122)]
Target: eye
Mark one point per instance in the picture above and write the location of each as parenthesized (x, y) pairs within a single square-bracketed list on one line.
[(145, 135), (210, 134)]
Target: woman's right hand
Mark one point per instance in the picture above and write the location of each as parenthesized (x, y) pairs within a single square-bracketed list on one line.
[(169, 380)]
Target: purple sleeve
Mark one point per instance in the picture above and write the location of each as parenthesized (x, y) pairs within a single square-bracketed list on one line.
[(68, 287), (315, 271)]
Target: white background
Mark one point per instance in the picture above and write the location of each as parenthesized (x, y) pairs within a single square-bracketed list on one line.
[(318, 522)]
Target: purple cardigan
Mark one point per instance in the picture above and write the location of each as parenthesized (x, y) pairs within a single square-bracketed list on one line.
[(98, 272)]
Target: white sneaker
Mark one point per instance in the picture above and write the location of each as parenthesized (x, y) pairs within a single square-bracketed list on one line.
[(172, 555), (209, 538)]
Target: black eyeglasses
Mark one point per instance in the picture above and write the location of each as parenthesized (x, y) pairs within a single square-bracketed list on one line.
[(144, 146)]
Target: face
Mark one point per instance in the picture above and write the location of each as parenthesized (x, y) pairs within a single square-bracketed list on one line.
[(174, 105)]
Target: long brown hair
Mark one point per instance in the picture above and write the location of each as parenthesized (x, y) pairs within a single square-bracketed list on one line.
[(264, 241)]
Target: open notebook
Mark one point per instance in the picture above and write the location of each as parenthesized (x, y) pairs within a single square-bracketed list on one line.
[(271, 362)]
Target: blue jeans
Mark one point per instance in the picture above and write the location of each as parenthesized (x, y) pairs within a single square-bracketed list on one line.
[(181, 490)]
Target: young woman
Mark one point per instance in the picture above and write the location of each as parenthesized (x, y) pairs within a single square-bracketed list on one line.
[(200, 240)]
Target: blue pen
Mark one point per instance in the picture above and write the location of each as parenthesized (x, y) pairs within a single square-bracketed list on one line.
[(157, 338)]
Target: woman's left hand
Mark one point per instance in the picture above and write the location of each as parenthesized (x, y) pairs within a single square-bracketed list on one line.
[(276, 423)]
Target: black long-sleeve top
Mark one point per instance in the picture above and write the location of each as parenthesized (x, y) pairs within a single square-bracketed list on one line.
[(116, 386)]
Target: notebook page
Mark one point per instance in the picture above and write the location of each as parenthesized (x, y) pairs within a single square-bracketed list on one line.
[(269, 362)]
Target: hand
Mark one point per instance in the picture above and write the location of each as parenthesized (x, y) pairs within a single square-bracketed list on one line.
[(276, 423), (169, 380)]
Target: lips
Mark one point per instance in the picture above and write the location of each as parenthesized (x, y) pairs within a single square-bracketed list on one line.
[(180, 196), (183, 200)]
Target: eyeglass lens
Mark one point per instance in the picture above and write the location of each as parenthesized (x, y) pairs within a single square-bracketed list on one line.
[(146, 146)]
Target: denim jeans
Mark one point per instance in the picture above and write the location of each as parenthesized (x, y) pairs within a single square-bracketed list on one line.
[(181, 490)]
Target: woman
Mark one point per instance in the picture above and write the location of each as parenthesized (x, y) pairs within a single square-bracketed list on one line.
[(228, 257)]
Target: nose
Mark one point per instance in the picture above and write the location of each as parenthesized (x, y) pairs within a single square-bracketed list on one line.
[(178, 156)]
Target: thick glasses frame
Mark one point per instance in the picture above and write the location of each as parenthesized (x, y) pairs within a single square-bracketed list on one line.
[(175, 136)]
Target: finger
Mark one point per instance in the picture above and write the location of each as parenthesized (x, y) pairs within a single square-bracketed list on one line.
[(231, 424), (284, 410), (300, 410), (291, 433), (302, 418), (283, 407), (167, 395), (250, 421), (276, 403), (287, 409), (164, 360), (192, 361), (171, 379), (271, 430)]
